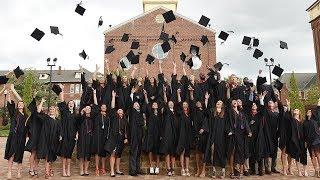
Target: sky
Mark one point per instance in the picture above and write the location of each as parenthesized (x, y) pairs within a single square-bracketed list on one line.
[(270, 21)]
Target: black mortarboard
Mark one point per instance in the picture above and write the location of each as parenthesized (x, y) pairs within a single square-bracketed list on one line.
[(135, 60), (204, 39), (54, 30), (3, 79), (37, 34), (261, 80), (283, 45), (164, 36), (84, 55), (246, 40), (79, 9), (204, 21), (150, 59), (18, 72), (130, 56), (125, 37), (194, 48), (218, 66), (169, 16), (173, 38), (135, 45), (109, 49), (183, 57), (165, 46), (123, 65), (223, 35), (255, 42), (100, 21), (257, 53), (56, 89), (190, 63), (278, 84), (277, 71)]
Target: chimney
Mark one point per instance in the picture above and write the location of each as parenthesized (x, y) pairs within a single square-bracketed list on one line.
[(59, 71)]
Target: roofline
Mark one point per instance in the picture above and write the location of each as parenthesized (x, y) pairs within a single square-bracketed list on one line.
[(314, 4), (150, 11)]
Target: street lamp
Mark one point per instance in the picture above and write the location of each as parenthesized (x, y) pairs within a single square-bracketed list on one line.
[(269, 63), (51, 65)]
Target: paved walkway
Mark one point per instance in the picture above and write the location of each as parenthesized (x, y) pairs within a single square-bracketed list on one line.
[(75, 170)]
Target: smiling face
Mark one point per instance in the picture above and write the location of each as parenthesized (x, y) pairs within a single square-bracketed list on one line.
[(20, 105), (198, 104), (87, 109), (120, 113), (52, 111), (71, 105), (171, 105), (296, 112), (155, 105), (136, 106), (239, 102), (114, 78), (125, 79), (271, 105), (234, 103), (309, 113), (103, 108), (185, 106), (254, 107), (102, 81)]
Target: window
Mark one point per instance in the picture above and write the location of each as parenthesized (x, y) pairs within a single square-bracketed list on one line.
[(43, 76), (71, 88), (77, 89), (77, 75), (77, 102), (302, 95)]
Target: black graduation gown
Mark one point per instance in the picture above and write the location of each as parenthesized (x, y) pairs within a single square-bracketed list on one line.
[(33, 127), (136, 123), (101, 126), (85, 136), (154, 128), (100, 91), (109, 87), (200, 121), (296, 146), (284, 125), (217, 137), (311, 134), (185, 135), (123, 95), (175, 85), (87, 93), (117, 135), (169, 142), (17, 135), (238, 93), (49, 138), (152, 90), (68, 131), (238, 141)]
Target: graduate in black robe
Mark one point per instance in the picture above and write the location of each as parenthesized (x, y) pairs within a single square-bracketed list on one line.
[(49, 137), (151, 86), (117, 137), (297, 145), (170, 136), (33, 127), (87, 91), (201, 131), (17, 135), (312, 137), (100, 86), (68, 133), (154, 133), (216, 146), (185, 135)]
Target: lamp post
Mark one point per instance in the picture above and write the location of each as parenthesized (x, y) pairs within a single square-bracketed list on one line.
[(51, 65), (269, 64)]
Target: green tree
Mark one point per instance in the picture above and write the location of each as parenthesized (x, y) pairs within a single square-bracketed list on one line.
[(313, 94), (294, 98)]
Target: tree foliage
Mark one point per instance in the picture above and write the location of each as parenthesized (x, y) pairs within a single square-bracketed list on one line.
[(313, 94), (294, 98)]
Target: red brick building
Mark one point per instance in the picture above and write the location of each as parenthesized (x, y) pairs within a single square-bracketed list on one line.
[(146, 28)]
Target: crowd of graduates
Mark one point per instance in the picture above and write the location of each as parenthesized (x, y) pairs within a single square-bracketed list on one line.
[(220, 122)]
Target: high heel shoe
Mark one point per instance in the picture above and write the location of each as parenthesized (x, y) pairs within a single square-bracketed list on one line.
[(183, 172), (187, 173)]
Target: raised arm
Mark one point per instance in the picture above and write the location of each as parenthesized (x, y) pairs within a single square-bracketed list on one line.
[(15, 93), (184, 69), (95, 99), (191, 90), (113, 101), (174, 68), (61, 95), (107, 66), (160, 67), (133, 72), (165, 98), (179, 95), (40, 106), (146, 96), (206, 99)]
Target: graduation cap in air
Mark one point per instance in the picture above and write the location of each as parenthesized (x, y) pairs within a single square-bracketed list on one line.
[(18, 72), (218, 66), (84, 55), (37, 34), (246, 40), (255, 42), (55, 30), (283, 45), (56, 89), (135, 45), (125, 63), (173, 38), (261, 80), (109, 49), (150, 59), (125, 37), (277, 70), (165, 46), (3, 80), (134, 59), (223, 36), (100, 21), (183, 57), (278, 84), (257, 53), (164, 36), (204, 39), (204, 21), (190, 63), (169, 16), (194, 50), (79, 9)]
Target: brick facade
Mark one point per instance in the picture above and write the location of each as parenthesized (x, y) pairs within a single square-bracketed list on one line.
[(315, 24), (146, 30)]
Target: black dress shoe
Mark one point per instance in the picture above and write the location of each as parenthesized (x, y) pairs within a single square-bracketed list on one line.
[(133, 174), (275, 171), (86, 174), (120, 173), (260, 173), (112, 175), (246, 173), (268, 172), (81, 174)]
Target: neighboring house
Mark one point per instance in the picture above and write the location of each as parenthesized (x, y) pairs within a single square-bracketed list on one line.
[(70, 79), (304, 81)]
